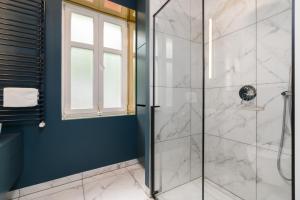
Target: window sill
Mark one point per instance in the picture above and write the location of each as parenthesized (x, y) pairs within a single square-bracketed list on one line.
[(67, 117)]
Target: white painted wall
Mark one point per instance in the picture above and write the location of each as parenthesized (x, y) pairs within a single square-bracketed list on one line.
[(297, 95)]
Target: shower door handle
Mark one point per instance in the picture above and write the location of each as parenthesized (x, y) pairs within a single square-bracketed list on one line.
[(155, 107)]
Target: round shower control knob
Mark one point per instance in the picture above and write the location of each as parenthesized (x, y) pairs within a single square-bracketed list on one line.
[(247, 93)]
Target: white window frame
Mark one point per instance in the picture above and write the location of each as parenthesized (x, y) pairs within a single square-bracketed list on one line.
[(98, 68), (124, 56)]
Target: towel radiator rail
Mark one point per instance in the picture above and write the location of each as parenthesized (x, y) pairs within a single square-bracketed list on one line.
[(22, 62)]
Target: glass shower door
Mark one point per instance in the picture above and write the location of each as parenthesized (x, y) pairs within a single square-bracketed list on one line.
[(177, 100)]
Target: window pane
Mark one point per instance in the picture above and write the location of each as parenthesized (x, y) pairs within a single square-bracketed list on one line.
[(112, 36), (81, 78), (82, 29), (112, 81)]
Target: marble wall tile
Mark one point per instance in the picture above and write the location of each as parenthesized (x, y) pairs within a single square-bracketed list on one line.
[(158, 167), (270, 186), (196, 21), (196, 29), (231, 165), (267, 8), (173, 65), (174, 162), (196, 65), (154, 5), (233, 60), (274, 49), (196, 111), (172, 119), (269, 120), (174, 19), (229, 15), (227, 117), (196, 156)]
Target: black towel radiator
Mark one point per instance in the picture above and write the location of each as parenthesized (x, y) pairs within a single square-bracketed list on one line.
[(22, 56)]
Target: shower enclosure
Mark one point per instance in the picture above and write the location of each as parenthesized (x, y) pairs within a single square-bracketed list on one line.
[(222, 100)]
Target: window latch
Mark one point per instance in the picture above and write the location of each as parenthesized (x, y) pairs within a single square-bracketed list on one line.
[(101, 67)]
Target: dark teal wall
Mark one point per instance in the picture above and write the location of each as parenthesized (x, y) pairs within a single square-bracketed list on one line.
[(67, 147), (128, 3), (143, 113)]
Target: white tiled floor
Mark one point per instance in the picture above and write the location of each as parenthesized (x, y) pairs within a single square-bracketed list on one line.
[(126, 184), (122, 184)]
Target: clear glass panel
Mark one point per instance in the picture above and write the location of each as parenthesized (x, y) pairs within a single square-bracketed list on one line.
[(243, 135), (112, 36), (273, 78), (81, 78), (112, 81), (82, 29), (178, 120)]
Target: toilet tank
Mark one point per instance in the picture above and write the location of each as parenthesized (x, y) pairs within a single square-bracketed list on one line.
[(11, 160)]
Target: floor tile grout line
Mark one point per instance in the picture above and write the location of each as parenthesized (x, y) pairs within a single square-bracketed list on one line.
[(132, 176), (82, 185)]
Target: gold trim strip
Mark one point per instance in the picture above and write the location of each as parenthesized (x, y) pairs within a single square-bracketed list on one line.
[(98, 5)]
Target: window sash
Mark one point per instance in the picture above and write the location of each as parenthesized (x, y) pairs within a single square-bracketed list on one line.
[(98, 69), (123, 54)]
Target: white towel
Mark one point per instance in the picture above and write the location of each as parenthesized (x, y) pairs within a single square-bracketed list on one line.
[(20, 97)]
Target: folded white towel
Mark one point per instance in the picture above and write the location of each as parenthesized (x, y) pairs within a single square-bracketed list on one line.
[(20, 97)]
